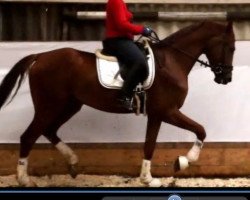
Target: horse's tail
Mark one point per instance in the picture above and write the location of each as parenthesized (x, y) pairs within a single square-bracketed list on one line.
[(17, 72)]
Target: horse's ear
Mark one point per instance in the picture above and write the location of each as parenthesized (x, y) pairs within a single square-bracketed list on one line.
[(230, 26)]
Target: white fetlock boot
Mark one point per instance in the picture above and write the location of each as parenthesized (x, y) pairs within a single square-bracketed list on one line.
[(194, 152), (22, 175), (145, 176), (71, 157)]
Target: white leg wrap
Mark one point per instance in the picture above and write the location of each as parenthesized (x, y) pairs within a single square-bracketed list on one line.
[(183, 161), (22, 174), (67, 152), (146, 176), (194, 152)]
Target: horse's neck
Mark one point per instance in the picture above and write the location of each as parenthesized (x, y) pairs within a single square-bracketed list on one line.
[(192, 46)]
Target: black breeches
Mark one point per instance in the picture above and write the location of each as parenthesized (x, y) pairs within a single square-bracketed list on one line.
[(131, 58)]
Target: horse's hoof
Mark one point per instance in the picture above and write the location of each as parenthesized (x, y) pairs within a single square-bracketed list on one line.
[(26, 182), (181, 163), (155, 183), (73, 171)]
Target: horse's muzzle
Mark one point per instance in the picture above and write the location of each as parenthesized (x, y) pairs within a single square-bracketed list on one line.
[(223, 81)]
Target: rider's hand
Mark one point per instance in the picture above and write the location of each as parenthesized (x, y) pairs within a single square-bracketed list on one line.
[(147, 31)]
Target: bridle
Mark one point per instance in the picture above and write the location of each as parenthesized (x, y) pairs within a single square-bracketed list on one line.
[(218, 69)]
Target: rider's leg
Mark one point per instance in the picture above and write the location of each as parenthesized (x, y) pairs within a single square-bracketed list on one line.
[(135, 63), (137, 70)]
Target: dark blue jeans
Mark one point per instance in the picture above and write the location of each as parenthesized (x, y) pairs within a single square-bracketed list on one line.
[(131, 58)]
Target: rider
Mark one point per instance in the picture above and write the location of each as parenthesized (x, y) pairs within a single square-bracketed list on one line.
[(119, 42)]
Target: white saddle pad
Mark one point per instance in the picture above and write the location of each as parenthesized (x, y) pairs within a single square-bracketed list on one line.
[(108, 68)]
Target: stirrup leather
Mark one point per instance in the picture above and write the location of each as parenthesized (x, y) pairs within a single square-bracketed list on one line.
[(140, 100)]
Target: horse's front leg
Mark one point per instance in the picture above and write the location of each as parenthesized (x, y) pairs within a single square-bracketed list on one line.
[(153, 127), (177, 118)]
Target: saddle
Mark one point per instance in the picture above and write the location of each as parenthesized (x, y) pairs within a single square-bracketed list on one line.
[(110, 75)]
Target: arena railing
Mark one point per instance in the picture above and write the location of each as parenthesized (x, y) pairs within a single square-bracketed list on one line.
[(176, 16)]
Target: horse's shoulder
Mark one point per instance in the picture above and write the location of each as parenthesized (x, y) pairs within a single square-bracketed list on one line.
[(175, 79)]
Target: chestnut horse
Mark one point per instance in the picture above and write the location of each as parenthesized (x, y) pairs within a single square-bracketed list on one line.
[(63, 80)]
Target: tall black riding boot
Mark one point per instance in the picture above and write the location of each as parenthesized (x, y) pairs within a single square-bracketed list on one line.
[(126, 102)]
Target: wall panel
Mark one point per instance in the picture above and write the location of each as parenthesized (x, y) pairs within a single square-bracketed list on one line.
[(40, 21)]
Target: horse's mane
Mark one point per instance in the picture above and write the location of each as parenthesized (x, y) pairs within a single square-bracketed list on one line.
[(179, 34)]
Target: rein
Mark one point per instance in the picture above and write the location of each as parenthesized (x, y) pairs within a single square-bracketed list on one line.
[(217, 69)]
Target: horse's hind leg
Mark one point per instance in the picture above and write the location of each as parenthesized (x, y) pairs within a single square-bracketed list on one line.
[(28, 138), (51, 134), (45, 114)]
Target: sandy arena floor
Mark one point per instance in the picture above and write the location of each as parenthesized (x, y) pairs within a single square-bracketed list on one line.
[(119, 181)]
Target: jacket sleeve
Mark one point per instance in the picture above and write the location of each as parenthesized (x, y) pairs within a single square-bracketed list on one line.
[(119, 16)]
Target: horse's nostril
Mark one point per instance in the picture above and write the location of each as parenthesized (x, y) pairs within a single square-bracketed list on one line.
[(227, 80), (218, 80)]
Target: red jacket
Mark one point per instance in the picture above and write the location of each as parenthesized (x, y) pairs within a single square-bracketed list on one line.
[(118, 21)]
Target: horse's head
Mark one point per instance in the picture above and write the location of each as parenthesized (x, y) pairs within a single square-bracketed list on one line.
[(219, 51)]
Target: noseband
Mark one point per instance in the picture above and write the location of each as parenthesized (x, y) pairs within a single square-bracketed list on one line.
[(221, 68)]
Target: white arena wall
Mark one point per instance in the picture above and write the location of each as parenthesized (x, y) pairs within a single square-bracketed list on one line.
[(224, 110)]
